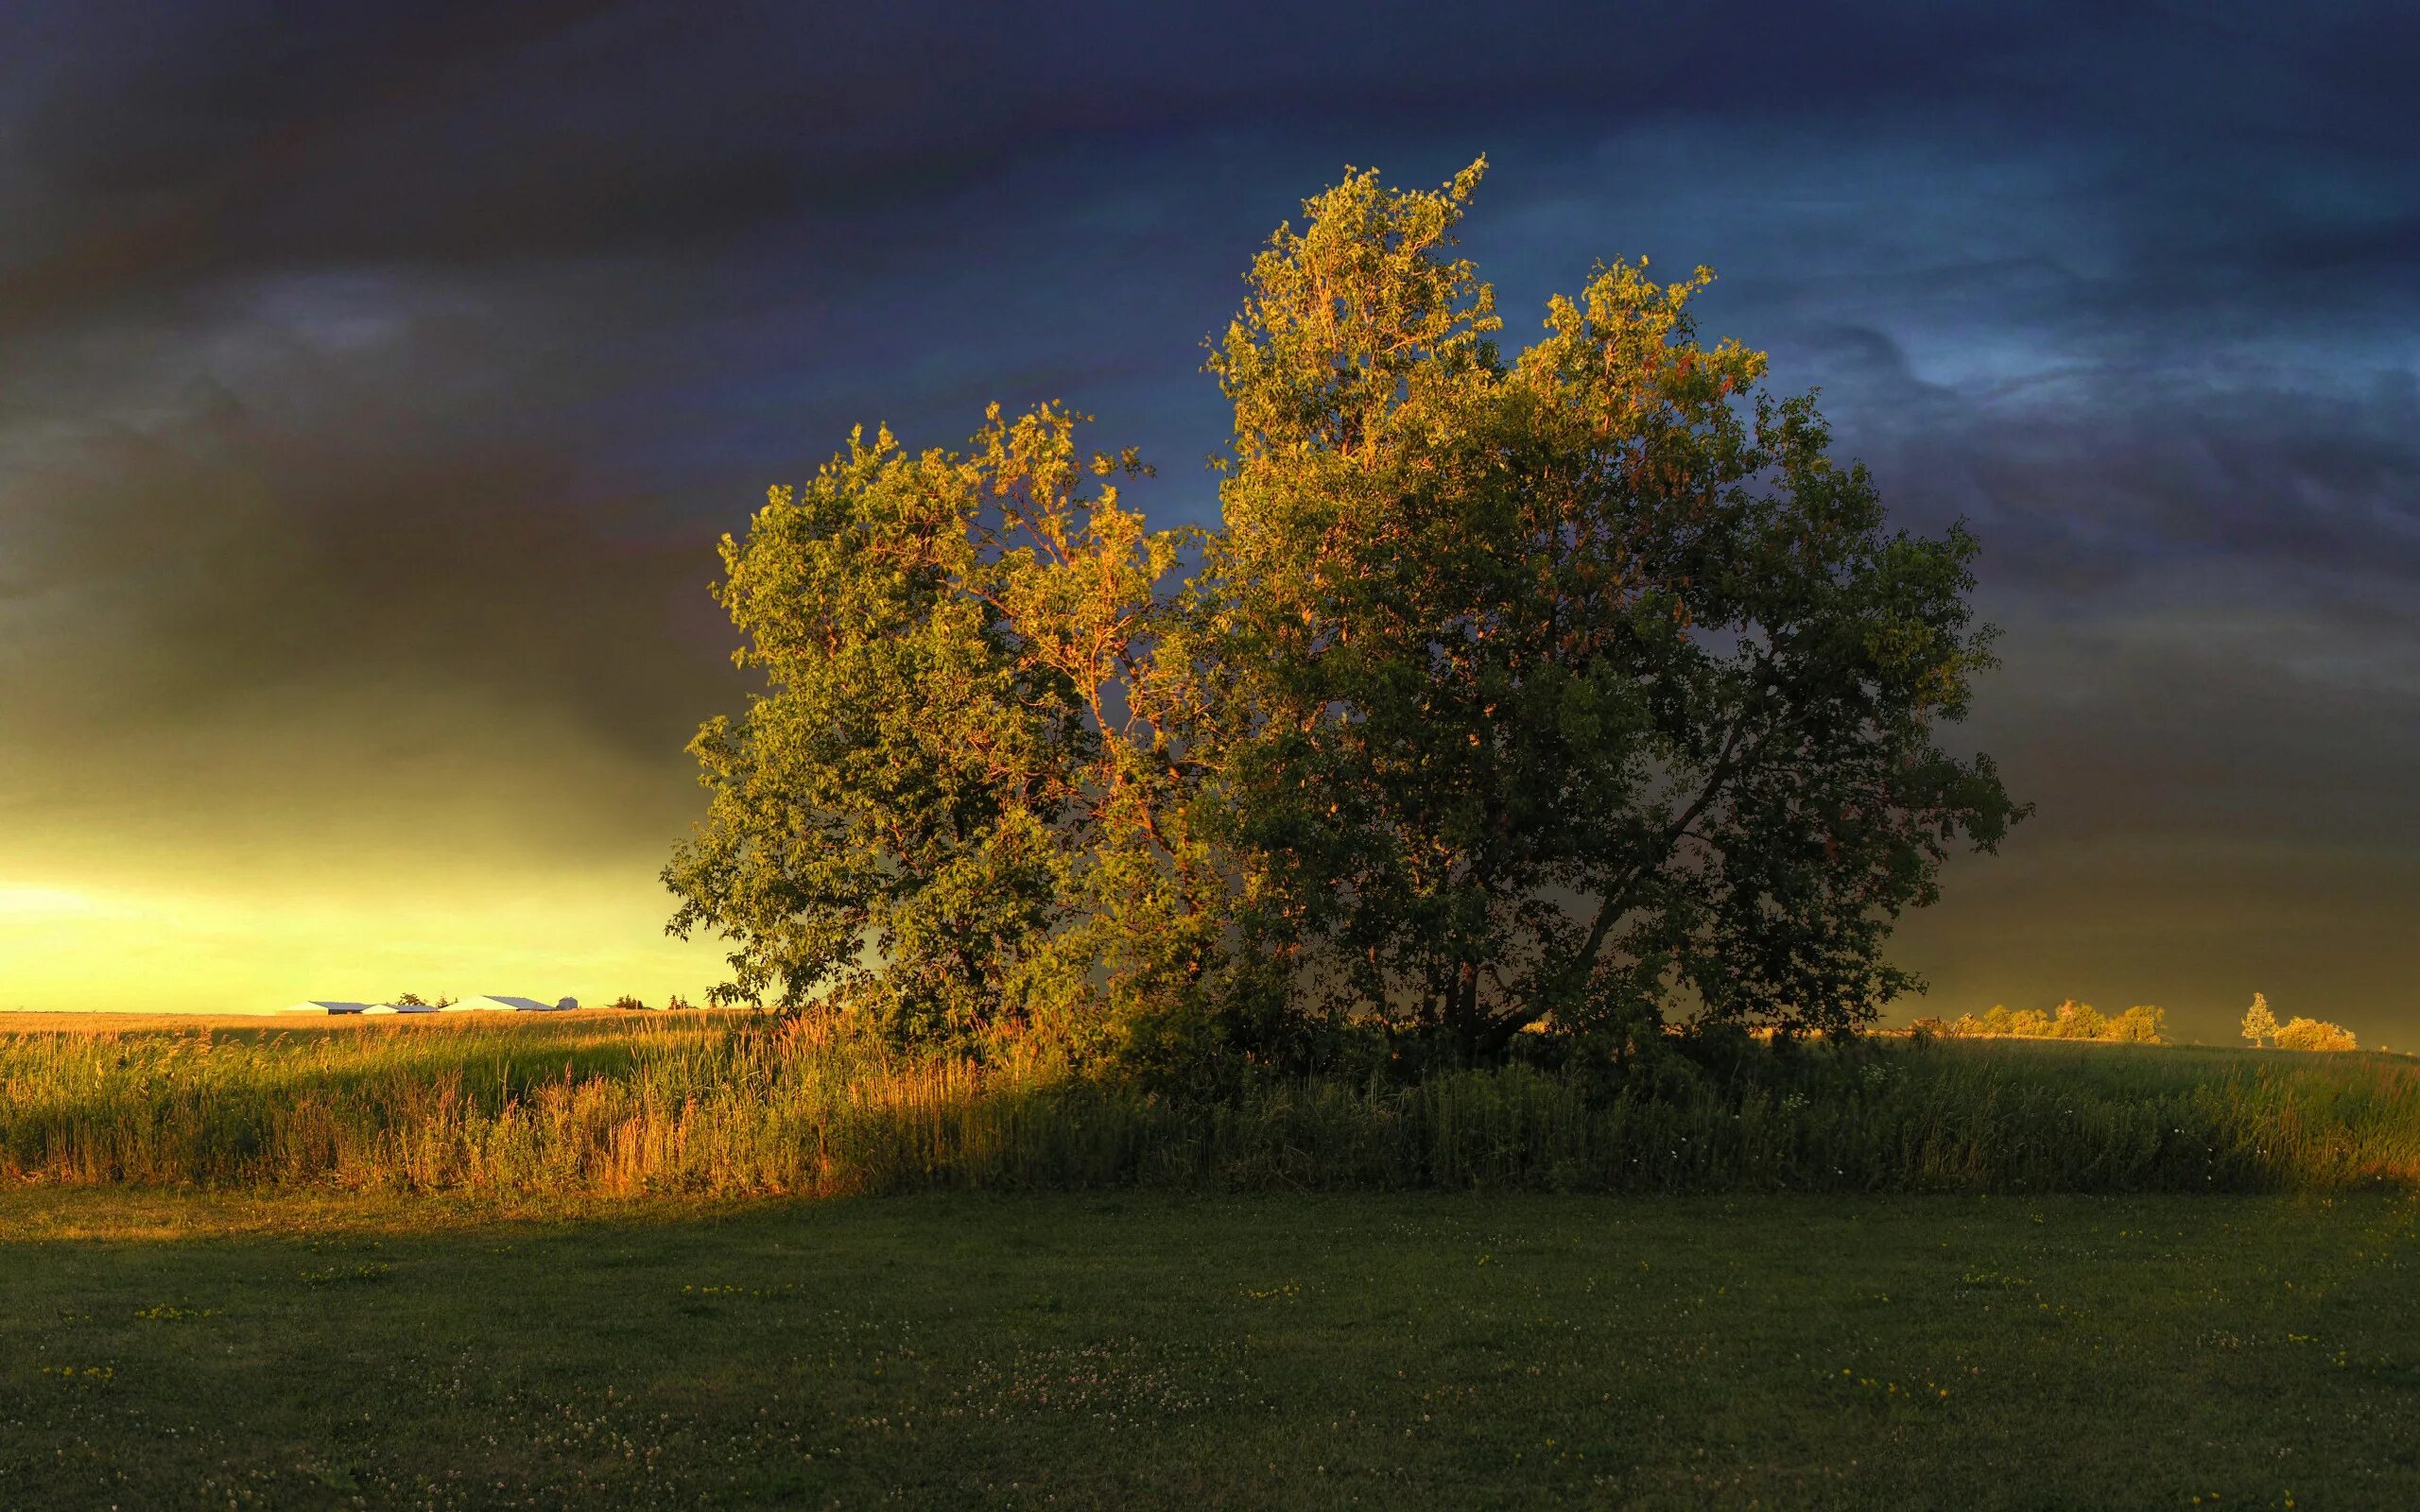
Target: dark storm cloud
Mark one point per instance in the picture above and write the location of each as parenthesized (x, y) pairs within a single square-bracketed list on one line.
[(397, 363)]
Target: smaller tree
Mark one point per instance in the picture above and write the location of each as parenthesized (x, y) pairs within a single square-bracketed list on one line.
[(956, 806), (2259, 1025)]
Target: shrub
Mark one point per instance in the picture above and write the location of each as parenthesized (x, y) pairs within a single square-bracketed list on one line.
[(2314, 1034)]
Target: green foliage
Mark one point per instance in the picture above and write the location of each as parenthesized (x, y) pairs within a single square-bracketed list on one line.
[(1577, 686), (952, 808), (1579, 689)]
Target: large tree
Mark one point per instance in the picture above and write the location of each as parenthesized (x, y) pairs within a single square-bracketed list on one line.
[(1579, 689), (1578, 686)]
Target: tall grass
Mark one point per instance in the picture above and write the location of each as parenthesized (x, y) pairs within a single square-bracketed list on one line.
[(608, 1108)]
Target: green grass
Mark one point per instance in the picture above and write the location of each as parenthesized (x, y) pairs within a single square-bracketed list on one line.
[(696, 1106), (495, 1262), (1138, 1349)]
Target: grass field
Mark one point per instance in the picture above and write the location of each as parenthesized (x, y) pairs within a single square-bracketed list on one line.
[(577, 1261), (168, 1350), (702, 1105)]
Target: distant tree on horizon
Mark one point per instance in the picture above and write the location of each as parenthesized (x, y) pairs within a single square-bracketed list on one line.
[(2078, 1020), (2143, 1024), (2259, 1025), (2315, 1034)]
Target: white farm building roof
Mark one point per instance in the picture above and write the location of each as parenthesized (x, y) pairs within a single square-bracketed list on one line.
[(494, 1002), (324, 1006)]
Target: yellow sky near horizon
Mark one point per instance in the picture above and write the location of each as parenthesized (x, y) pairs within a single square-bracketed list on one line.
[(396, 838), (590, 927), (95, 949)]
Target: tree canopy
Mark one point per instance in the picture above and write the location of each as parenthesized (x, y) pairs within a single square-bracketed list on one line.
[(1579, 689)]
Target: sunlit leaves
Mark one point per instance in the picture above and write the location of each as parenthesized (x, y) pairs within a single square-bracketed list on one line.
[(1576, 690), (1582, 687)]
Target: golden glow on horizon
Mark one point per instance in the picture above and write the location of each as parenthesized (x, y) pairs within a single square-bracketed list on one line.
[(222, 930), (20, 901), (396, 839), (66, 948), (283, 860)]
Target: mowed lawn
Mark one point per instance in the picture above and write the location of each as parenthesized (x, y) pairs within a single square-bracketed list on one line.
[(162, 1350)]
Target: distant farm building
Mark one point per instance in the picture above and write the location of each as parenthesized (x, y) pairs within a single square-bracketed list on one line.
[(492, 1003)]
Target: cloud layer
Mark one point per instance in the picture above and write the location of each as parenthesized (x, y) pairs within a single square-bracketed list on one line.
[(373, 380)]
